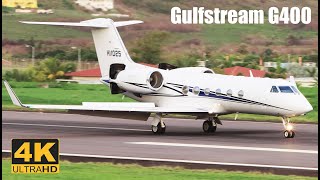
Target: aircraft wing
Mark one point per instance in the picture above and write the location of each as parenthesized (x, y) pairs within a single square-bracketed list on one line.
[(106, 106)]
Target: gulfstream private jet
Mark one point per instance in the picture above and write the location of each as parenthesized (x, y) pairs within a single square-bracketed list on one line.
[(195, 91)]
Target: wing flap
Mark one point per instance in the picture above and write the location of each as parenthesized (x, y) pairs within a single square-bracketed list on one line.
[(127, 107)]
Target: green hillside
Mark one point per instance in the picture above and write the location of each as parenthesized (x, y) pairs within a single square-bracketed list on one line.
[(156, 15), (14, 30)]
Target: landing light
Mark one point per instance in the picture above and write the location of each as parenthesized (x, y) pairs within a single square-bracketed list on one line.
[(289, 127)]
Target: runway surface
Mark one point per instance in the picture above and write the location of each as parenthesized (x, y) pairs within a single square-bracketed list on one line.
[(238, 143)]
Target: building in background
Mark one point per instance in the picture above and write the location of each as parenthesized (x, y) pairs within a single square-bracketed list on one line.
[(45, 11), (20, 3), (270, 65), (309, 64), (243, 71), (92, 5), (90, 76)]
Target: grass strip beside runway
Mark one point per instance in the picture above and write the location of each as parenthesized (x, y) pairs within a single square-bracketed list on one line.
[(70, 170), (63, 93)]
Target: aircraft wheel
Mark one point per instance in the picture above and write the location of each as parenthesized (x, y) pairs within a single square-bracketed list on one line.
[(213, 128), (158, 129), (288, 134), (207, 126), (163, 129), (155, 129)]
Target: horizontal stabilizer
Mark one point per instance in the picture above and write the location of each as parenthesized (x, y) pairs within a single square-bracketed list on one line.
[(94, 23), (127, 23)]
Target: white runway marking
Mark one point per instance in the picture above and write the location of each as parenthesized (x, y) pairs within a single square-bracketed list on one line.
[(224, 147), (184, 161), (80, 127)]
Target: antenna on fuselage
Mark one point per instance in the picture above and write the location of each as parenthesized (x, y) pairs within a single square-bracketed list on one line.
[(291, 79), (236, 116)]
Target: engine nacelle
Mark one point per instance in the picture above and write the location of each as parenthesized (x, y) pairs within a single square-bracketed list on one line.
[(139, 81)]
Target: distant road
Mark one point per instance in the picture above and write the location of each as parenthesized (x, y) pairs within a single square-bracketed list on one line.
[(241, 145)]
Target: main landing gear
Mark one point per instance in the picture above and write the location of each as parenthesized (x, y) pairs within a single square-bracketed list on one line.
[(288, 133), (157, 125), (210, 125)]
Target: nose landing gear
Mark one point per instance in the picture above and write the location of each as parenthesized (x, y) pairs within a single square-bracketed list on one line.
[(288, 133)]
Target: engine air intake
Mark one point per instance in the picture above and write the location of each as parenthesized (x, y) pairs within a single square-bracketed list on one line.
[(155, 80)]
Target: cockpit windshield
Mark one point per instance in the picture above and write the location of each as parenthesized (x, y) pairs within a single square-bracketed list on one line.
[(285, 89), (274, 89), (295, 90)]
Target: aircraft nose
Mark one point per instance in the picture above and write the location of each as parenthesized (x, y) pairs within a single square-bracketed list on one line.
[(309, 108), (306, 108)]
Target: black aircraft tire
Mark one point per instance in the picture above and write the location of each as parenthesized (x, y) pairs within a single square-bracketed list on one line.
[(207, 126)]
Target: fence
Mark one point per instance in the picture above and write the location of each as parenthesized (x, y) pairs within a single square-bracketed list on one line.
[(25, 63)]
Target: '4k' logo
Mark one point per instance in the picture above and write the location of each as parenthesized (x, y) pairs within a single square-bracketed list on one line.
[(35, 156)]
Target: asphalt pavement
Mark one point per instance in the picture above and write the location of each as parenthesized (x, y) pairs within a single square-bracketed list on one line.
[(235, 143)]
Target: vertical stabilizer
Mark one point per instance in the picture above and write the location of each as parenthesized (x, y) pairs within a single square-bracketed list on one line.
[(109, 47)]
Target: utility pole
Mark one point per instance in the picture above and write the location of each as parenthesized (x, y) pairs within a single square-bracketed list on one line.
[(32, 53), (79, 57)]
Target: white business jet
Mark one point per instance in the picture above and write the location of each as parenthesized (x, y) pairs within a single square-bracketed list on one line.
[(195, 91)]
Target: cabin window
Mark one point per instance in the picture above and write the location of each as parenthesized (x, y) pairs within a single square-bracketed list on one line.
[(274, 89), (218, 91), (196, 90), (185, 90), (285, 89), (207, 91), (295, 90), (229, 92), (240, 93)]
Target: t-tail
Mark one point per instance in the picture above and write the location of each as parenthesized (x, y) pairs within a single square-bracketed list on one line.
[(112, 53)]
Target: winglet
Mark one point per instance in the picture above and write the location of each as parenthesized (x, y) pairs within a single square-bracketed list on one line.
[(12, 95)]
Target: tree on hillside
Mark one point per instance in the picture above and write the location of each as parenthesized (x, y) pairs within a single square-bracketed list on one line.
[(188, 60), (148, 49), (311, 57), (311, 71), (215, 61), (297, 71), (243, 49), (279, 69), (268, 55), (51, 68), (292, 40)]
